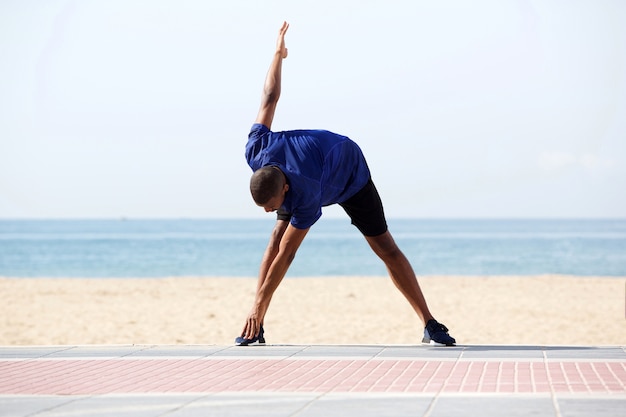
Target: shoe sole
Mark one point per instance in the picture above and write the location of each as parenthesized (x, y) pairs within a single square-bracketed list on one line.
[(437, 344), (257, 343)]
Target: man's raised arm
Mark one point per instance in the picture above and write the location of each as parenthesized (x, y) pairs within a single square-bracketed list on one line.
[(271, 89)]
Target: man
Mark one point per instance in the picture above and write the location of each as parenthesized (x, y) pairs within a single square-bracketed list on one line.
[(296, 173)]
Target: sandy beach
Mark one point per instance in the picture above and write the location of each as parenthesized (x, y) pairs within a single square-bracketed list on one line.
[(538, 310)]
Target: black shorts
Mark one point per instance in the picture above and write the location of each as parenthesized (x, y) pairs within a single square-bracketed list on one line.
[(364, 208)]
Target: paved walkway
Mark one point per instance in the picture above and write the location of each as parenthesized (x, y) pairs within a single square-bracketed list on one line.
[(47, 381)]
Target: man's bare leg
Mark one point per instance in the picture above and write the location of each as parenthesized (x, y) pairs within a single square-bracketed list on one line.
[(403, 276), (401, 272)]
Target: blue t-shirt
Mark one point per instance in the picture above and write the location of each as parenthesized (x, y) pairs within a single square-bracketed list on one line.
[(322, 168)]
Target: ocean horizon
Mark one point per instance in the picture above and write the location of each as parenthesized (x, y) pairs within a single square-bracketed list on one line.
[(104, 248)]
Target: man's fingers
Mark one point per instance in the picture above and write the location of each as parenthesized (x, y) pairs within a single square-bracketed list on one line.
[(251, 329), (280, 43), (251, 334)]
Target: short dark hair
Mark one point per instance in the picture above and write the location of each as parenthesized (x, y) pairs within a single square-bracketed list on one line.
[(266, 183)]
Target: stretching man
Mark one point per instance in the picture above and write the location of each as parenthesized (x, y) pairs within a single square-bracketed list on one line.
[(298, 172)]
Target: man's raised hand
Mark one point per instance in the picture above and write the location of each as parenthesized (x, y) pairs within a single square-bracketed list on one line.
[(280, 44)]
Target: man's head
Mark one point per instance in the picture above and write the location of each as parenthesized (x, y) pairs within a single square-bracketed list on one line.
[(268, 187)]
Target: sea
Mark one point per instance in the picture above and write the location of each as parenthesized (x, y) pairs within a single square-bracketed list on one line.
[(333, 247)]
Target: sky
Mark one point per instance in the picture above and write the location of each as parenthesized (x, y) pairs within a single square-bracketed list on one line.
[(483, 109)]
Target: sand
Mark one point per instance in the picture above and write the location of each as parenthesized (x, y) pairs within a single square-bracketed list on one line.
[(538, 310)]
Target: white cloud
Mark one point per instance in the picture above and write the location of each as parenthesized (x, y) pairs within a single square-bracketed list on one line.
[(555, 161), (596, 163), (558, 161)]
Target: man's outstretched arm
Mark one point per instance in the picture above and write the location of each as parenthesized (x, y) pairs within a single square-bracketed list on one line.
[(271, 89), (290, 241)]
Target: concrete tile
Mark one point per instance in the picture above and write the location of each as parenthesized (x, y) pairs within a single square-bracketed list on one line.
[(260, 351), (503, 352), (366, 352), (120, 405), (583, 407), (418, 351), (585, 352), (98, 351), (244, 405), (27, 405), (372, 405), (197, 351), (509, 406), (30, 352)]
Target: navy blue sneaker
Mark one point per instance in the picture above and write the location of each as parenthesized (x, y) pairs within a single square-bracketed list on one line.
[(436, 334), (257, 340)]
